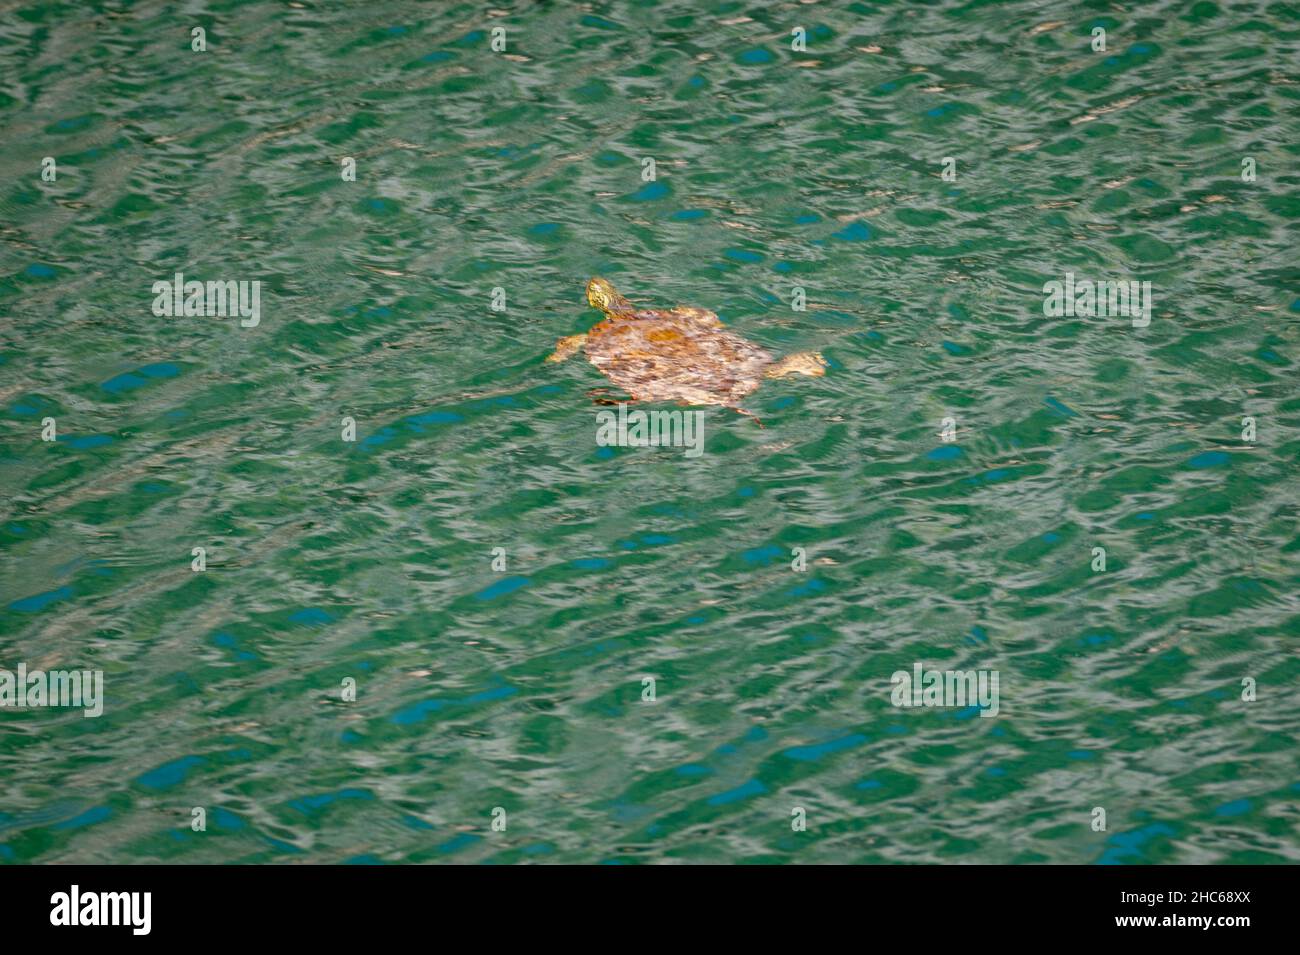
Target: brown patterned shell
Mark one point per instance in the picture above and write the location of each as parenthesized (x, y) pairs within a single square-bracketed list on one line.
[(680, 354)]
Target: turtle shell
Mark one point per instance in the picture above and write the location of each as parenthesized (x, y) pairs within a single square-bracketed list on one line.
[(679, 354)]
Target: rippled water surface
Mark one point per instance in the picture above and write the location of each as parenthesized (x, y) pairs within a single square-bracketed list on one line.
[(522, 689)]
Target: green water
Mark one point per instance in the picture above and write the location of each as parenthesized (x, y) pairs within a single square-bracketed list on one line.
[(522, 689)]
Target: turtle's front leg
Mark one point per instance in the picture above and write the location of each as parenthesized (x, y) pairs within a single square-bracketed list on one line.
[(604, 396), (565, 347)]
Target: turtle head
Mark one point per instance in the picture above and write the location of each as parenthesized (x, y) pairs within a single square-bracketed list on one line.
[(602, 295)]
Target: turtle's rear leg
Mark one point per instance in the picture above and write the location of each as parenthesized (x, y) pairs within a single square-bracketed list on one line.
[(809, 363), (566, 347)]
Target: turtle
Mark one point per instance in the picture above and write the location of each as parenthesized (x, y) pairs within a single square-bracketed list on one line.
[(680, 354)]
